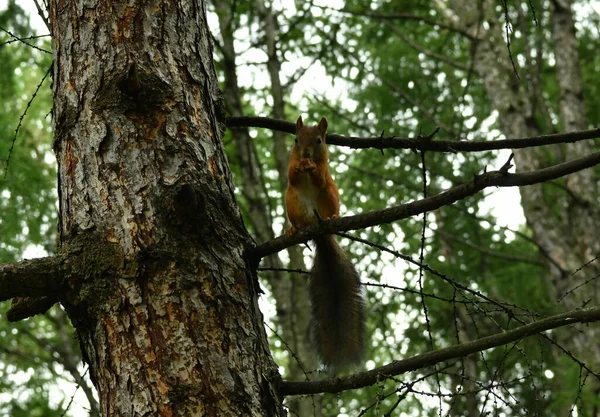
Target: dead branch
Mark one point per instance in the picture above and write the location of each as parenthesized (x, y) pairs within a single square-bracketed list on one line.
[(31, 278), (22, 308)]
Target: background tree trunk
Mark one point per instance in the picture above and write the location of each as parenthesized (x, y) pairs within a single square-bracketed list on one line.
[(165, 306), (290, 290), (564, 215)]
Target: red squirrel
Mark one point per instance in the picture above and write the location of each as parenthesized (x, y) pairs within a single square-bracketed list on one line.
[(336, 297)]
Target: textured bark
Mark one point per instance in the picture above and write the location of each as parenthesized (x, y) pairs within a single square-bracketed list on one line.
[(578, 225), (166, 308)]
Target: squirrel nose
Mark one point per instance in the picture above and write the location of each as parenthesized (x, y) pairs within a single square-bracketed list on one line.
[(306, 154)]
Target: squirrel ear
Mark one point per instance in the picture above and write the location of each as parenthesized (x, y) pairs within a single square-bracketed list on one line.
[(323, 125), (299, 123)]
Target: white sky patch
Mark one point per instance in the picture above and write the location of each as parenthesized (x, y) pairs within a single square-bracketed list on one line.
[(505, 206), (34, 251), (504, 203)]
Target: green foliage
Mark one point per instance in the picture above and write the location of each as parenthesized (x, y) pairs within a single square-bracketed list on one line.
[(27, 370), (28, 189), (31, 375), (386, 77), (590, 62), (35, 406)]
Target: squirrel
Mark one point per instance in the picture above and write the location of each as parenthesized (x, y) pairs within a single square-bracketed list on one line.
[(334, 286)]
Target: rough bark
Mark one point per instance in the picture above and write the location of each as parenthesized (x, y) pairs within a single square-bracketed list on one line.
[(166, 308)]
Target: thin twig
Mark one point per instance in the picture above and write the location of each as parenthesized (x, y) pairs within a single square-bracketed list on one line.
[(14, 139), (41, 13), (507, 26), (22, 40)]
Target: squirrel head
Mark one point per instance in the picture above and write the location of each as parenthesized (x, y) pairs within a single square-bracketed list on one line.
[(310, 141)]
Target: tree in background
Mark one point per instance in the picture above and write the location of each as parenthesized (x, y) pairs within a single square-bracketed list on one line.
[(405, 71)]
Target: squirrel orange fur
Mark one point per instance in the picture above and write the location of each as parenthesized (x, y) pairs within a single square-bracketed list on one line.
[(336, 297)]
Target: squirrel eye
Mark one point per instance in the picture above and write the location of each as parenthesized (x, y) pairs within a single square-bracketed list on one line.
[(319, 141), (296, 139)]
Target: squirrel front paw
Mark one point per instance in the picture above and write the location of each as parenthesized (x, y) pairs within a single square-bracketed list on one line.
[(306, 165), (292, 230)]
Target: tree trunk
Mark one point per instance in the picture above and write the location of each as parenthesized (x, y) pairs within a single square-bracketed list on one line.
[(165, 305)]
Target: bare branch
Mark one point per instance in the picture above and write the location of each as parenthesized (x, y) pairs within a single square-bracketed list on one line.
[(500, 178), (42, 14), (14, 139), (424, 360), (24, 41), (508, 27), (392, 142)]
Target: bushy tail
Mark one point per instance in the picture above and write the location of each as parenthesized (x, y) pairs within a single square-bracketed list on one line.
[(337, 305)]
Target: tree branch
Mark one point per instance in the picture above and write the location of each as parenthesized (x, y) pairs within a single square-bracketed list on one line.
[(403, 16), (42, 14), (500, 178), (31, 278), (364, 379), (22, 308), (392, 142), (420, 48)]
